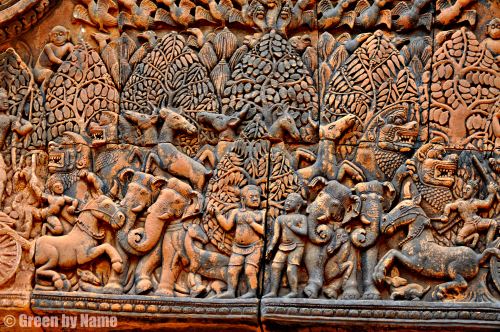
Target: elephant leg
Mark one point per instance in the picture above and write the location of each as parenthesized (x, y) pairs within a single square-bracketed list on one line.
[(314, 258), (350, 286), (145, 269), (171, 264), (370, 292)]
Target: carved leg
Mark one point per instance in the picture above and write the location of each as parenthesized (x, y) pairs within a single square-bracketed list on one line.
[(171, 268), (350, 286), (116, 280), (94, 252), (456, 286), (315, 259), (207, 155), (233, 273), (370, 292), (276, 269), (145, 269), (387, 262), (292, 274)]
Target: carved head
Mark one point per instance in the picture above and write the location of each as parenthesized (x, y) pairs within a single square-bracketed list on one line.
[(335, 130), (493, 28), (103, 208), (471, 189), (433, 167), (105, 130), (294, 202), (382, 193), (494, 161), (68, 152), (195, 231), (250, 196), (59, 35), (141, 191), (4, 100), (406, 212), (394, 132), (176, 121)]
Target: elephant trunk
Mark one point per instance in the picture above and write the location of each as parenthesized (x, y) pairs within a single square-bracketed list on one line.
[(143, 239), (319, 234), (371, 214)]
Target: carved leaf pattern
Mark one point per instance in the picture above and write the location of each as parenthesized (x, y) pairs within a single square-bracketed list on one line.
[(79, 92)]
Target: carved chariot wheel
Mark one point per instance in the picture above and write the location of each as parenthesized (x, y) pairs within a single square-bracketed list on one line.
[(495, 272), (10, 255)]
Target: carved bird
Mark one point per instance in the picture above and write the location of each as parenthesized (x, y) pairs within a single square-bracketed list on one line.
[(139, 16), (221, 11), (96, 13), (145, 48), (181, 14), (196, 39), (409, 17), (332, 15), (366, 16), (450, 13)]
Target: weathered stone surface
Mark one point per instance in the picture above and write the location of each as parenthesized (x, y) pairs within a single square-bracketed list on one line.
[(253, 165)]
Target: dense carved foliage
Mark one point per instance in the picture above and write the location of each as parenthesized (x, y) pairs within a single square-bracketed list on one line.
[(152, 159)]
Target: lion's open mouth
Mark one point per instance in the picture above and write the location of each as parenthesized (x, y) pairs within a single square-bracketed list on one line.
[(444, 172), (56, 159), (97, 135)]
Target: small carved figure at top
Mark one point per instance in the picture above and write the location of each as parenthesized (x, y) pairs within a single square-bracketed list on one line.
[(8, 123), (247, 245), (410, 17), (98, 13), (467, 208), (333, 15), (138, 16), (52, 55), (290, 230), (60, 207), (368, 16), (449, 13), (492, 40)]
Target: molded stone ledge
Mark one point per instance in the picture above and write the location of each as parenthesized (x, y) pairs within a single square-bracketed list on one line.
[(377, 314), (209, 311)]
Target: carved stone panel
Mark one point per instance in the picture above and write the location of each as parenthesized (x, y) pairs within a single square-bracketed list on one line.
[(263, 164)]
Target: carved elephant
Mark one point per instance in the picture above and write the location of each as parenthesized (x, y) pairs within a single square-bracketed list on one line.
[(335, 204), (376, 197), (141, 191), (162, 236)]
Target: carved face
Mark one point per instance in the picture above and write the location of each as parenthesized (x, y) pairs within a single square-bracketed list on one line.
[(334, 130), (434, 169), (250, 196), (57, 188), (176, 121), (4, 101), (59, 35), (396, 134), (494, 162), (402, 214), (293, 202), (70, 152), (493, 29)]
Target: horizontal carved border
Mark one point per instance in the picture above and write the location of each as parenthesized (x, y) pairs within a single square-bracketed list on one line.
[(137, 305), (386, 313)]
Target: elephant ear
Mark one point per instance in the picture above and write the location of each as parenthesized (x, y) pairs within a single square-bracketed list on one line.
[(126, 174), (158, 183), (195, 204), (352, 209), (315, 186), (389, 193)]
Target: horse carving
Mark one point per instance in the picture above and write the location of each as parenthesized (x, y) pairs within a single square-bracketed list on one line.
[(422, 254), (80, 246)]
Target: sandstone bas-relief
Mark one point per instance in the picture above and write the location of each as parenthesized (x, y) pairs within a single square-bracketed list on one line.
[(224, 150)]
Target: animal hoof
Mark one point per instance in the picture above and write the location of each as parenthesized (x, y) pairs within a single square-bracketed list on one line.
[(378, 277), (143, 286), (59, 284), (371, 296), (311, 292)]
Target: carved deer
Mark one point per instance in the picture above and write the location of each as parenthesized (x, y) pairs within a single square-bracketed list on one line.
[(226, 127), (326, 161)]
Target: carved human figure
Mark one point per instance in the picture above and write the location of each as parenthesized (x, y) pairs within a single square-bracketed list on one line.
[(467, 208), (247, 245), (290, 230), (8, 123), (492, 40), (52, 55), (59, 207)]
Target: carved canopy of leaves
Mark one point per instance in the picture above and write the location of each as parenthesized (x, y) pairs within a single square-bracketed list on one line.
[(464, 92), (271, 74), (24, 97), (370, 81), (79, 92)]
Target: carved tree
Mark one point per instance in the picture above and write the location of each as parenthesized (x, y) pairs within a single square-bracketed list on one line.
[(464, 91), (79, 92), (171, 75), (24, 96), (271, 74)]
